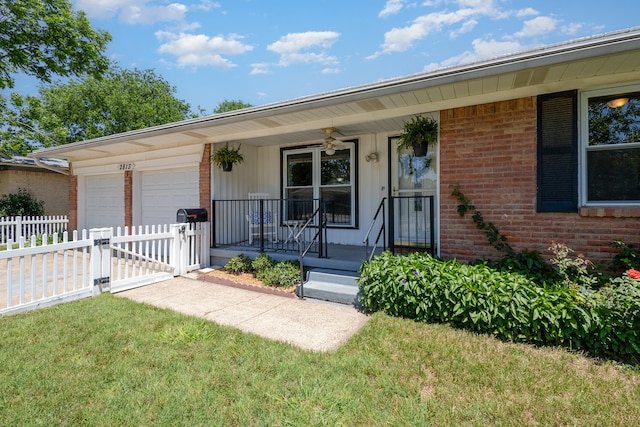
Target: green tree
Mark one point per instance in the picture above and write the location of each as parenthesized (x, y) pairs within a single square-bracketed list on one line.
[(121, 101), (226, 106), (42, 38)]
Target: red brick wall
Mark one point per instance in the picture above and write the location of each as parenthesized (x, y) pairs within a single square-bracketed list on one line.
[(205, 179), (490, 150), (73, 200), (128, 199)]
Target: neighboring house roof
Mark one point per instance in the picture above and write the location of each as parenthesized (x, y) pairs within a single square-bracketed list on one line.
[(612, 58), (58, 165)]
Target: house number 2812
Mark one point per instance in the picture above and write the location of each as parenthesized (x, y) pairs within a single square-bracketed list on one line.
[(127, 166)]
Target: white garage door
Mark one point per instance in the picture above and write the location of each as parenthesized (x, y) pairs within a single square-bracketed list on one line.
[(164, 192), (104, 201)]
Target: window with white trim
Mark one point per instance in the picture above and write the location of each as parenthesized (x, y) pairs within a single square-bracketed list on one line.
[(311, 173), (610, 155)]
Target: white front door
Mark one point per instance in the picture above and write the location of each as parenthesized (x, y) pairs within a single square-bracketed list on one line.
[(412, 177)]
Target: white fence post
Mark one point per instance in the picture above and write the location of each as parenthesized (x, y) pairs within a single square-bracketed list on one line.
[(179, 249), (18, 229), (205, 257), (100, 271)]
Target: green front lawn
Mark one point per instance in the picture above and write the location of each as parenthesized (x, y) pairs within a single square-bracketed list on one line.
[(110, 361)]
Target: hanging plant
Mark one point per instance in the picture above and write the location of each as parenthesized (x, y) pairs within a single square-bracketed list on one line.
[(226, 157), (419, 134)]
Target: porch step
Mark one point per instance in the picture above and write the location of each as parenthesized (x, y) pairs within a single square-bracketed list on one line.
[(332, 285)]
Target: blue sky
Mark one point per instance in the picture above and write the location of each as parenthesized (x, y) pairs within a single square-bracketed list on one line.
[(262, 51)]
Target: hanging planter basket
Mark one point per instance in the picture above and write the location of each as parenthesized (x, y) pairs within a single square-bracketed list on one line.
[(419, 134), (226, 156), (420, 148)]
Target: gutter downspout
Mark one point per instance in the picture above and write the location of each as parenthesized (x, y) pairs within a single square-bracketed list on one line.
[(51, 168)]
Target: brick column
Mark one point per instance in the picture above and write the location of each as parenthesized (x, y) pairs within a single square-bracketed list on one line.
[(128, 199), (205, 179), (73, 200)]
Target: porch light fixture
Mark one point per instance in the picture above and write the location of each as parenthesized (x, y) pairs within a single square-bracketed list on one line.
[(373, 157), (617, 103)]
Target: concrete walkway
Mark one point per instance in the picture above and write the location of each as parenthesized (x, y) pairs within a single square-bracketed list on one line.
[(307, 324)]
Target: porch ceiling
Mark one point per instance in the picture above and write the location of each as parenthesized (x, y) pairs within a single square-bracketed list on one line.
[(383, 107)]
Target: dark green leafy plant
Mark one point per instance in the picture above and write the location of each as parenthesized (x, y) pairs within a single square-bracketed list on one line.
[(261, 264), (496, 239), (21, 203), (239, 264), (627, 257), (226, 155), (506, 305), (420, 130), (284, 274)]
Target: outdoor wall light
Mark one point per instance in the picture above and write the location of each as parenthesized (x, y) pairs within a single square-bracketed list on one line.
[(373, 157), (618, 102)]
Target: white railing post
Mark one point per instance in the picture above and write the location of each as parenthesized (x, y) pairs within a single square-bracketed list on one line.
[(100, 270), (179, 249)]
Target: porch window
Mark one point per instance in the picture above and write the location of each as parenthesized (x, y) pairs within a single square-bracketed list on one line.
[(310, 173), (611, 146)]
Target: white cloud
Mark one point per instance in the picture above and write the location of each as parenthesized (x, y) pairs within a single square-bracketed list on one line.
[(260, 68), (298, 47), (331, 71), (482, 49), (153, 14), (391, 7), (536, 26), (206, 5), (572, 28), (105, 8), (526, 12), (201, 50), (401, 39), (466, 27), (133, 11)]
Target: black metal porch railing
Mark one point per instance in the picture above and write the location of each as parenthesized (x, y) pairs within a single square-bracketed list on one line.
[(412, 224), (266, 225), (378, 217)]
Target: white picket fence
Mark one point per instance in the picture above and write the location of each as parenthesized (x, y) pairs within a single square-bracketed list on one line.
[(95, 261), (24, 226)]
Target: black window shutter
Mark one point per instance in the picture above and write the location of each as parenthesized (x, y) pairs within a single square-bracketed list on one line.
[(558, 152)]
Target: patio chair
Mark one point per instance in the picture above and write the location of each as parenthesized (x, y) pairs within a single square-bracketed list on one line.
[(269, 220)]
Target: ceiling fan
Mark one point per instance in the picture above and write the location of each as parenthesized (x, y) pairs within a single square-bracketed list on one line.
[(330, 143)]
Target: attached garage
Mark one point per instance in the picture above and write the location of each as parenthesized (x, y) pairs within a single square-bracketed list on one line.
[(104, 205), (163, 192)]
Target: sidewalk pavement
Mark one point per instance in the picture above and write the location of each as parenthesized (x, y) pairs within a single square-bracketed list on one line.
[(307, 324)]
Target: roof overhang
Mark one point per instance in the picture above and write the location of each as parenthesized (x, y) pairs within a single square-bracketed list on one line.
[(597, 61)]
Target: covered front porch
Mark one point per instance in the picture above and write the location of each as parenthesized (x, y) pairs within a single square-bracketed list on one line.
[(306, 230)]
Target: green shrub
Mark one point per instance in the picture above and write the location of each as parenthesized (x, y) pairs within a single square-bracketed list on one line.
[(262, 262), (617, 334), (627, 257), (239, 264), (284, 273), (21, 203), (507, 305)]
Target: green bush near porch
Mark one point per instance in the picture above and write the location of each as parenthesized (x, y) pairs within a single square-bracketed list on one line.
[(509, 306), (265, 268)]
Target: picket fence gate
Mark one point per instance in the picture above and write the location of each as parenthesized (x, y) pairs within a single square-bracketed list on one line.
[(96, 261)]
